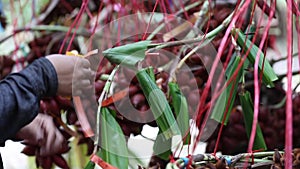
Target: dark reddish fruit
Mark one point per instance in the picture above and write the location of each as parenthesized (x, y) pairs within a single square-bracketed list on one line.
[(60, 161), (64, 103), (133, 89), (235, 117), (138, 100), (99, 85), (221, 163), (66, 135), (193, 98), (8, 62), (46, 162), (195, 59), (29, 150), (71, 117), (199, 82), (144, 108), (183, 79), (6, 71), (54, 108)]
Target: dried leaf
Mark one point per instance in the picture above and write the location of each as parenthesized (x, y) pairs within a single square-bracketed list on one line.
[(187, 25)]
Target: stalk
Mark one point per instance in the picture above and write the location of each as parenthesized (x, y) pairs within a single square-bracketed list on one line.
[(289, 101), (257, 82), (52, 28), (101, 98)]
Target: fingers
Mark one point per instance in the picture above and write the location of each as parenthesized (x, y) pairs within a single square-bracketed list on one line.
[(73, 73), (83, 80), (85, 63), (53, 139)]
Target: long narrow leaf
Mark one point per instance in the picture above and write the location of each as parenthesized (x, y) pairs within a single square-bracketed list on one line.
[(162, 147), (158, 105), (180, 106), (128, 55), (247, 105), (229, 94), (269, 75), (90, 165), (113, 144)]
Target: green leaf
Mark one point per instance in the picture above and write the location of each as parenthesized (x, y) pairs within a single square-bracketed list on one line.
[(158, 104), (90, 165), (162, 147), (250, 31), (113, 144), (181, 111), (268, 73), (247, 105), (229, 94), (128, 55)]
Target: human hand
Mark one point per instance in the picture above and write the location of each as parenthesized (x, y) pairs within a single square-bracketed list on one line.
[(72, 73), (42, 133)]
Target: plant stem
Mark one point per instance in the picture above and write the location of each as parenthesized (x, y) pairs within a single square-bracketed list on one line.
[(242, 156), (52, 28), (101, 98), (201, 16), (209, 36)]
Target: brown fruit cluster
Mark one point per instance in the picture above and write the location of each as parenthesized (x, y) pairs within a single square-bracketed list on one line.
[(272, 122), (279, 160), (48, 161)]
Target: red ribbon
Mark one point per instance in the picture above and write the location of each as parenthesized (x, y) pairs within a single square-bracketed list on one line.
[(97, 160)]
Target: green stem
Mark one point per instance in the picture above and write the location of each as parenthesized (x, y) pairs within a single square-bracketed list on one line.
[(209, 36), (104, 77), (52, 28), (101, 98), (201, 17)]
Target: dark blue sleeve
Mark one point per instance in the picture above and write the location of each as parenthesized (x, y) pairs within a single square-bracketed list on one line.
[(20, 94)]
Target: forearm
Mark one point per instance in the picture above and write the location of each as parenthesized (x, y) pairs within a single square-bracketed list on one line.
[(21, 93)]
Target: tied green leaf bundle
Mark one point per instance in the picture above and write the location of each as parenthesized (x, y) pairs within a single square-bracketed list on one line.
[(128, 55), (162, 147), (228, 95), (158, 104), (264, 66), (180, 106), (247, 105), (113, 144)]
